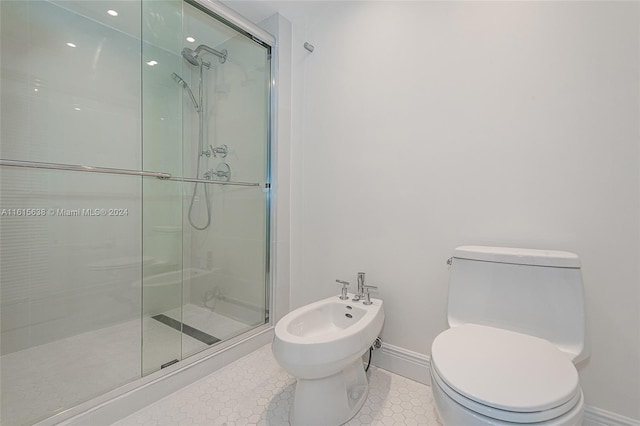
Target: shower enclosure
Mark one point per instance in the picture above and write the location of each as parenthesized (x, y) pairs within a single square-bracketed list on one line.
[(134, 194)]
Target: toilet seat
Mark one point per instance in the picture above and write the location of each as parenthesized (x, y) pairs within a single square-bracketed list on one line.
[(484, 368)]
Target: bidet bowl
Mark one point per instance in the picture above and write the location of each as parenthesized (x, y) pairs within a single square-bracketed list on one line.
[(320, 339)]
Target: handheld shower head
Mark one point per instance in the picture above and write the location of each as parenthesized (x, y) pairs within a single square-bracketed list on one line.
[(179, 80), (185, 86)]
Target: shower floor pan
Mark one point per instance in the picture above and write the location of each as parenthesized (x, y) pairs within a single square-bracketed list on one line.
[(41, 381)]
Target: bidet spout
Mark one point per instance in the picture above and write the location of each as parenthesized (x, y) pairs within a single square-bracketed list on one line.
[(360, 294)]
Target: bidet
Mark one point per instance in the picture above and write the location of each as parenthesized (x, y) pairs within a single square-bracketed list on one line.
[(322, 345)]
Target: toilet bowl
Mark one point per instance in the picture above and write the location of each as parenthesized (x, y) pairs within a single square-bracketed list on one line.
[(477, 374), (517, 329), (322, 345)]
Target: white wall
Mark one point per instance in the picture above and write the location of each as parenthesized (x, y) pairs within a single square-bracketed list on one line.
[(421, 126)]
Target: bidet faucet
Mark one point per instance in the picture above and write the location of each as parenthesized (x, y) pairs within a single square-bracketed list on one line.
[(360, 294)]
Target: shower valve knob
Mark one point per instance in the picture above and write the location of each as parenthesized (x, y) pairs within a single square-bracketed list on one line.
[(221, 150)]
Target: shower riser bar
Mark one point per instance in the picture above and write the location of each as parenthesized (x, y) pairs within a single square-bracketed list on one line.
[(108, 170)]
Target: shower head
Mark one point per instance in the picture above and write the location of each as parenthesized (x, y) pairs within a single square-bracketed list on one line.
[(193, 56), (185, 86), (190, 56)]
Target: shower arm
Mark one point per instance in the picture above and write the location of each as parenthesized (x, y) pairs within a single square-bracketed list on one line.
[(222, 54)]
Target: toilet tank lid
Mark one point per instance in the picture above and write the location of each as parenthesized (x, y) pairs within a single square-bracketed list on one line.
[(518, 256)]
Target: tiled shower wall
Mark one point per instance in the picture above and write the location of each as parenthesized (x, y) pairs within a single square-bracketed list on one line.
[(64, 104)]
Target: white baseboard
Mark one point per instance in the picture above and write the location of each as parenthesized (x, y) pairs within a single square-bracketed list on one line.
[(403, 362), (597, 417), (415, 366)]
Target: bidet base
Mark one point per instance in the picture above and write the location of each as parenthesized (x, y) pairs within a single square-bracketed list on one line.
[(330, 401)]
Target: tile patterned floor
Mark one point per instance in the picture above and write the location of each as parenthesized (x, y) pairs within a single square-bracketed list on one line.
[(37, 382), (255, 390)]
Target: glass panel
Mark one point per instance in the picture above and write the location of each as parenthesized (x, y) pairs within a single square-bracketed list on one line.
[(70, 93), (225, 227), (70, 279), (74, 79), (162, 200), (205, 116), (107, 277)]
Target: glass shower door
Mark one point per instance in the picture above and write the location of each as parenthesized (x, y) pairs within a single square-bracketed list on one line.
[(70, 252), (105, 275), (207, 230), (225, 226)]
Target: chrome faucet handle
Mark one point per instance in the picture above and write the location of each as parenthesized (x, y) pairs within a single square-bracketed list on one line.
[(221, 150), (343, 296), (367, 296)]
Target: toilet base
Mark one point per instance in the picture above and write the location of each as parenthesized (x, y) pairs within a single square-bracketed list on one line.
[(330, 401)]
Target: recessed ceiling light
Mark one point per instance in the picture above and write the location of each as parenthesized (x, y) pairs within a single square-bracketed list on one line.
[(112, 12), (76, 108), (191, 39), (71, 44), (35, 90), (152, 63)]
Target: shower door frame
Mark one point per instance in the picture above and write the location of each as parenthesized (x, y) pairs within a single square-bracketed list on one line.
[(120, 402)]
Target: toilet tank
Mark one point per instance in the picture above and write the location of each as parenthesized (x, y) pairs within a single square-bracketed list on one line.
[(535, 292)]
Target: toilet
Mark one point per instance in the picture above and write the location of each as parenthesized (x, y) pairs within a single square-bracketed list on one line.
[(517, 330)]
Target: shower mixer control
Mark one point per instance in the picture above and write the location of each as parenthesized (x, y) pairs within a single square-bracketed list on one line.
[(212, 174), (221, 150), (222, 172)]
